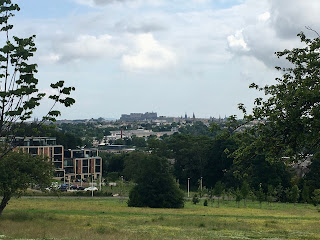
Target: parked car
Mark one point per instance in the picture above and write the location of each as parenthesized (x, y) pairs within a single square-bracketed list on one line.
[(81, 188), (65, 185), (73, 187), (62, 189), (91, 189)]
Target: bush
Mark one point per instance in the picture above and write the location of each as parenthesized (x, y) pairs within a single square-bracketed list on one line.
[(195, 199), (156, 187)]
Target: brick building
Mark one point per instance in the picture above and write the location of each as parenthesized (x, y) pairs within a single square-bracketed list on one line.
[(68, 164)]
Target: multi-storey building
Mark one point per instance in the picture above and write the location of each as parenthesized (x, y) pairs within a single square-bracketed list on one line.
[(139, 116), (69, 164)]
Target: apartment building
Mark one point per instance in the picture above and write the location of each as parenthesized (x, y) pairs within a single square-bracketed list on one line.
[(68, 164)]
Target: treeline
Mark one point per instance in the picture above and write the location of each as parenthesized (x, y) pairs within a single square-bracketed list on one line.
[(215, 159), (68, 139)]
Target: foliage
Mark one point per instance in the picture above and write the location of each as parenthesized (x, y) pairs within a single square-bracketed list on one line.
[(155, 187), (270, 194), (195, 199), (18, 170), (316, 197), (68, 140), (289, 117), (245, 190), (112, 163), (305, 193), (238, 196), (196, 129), (218, 189), (294, 194), (260, 195), (19, 97), (313, 175), (134, 165), (19, 94)]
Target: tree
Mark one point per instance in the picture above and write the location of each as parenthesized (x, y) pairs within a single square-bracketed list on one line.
[(238, 196), (316, 197), (18, 170), (155, 187), (195, 199), (270, 194), (245, 191), (260, 195), (289, 117), (19, 94), (294, 194), (218, 188)]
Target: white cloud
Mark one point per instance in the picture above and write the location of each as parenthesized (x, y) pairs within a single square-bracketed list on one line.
[(264, 17), (50, 58), (84, 47), (148, 54), (134, 3), (237, 41)]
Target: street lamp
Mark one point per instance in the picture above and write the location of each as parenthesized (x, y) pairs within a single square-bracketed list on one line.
[(92, 185), (188, 187)]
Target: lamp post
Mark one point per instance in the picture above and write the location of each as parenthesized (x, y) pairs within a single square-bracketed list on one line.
[(92, 185), (201, 184), (188, 187), (121, 188)]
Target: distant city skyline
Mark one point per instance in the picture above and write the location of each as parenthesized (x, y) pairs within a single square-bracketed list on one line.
[(169, 57)]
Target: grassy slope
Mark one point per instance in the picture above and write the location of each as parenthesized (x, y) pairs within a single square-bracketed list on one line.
[(111, 219)]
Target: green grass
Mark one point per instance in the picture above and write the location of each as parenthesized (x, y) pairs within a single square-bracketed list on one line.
[(65, 218)]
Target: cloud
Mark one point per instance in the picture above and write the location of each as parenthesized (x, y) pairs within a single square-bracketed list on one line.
[(148, 54), (140, 26), (291, 16), (264, 17), (237, 42), (134, 3), (85, 47), (93, 3)]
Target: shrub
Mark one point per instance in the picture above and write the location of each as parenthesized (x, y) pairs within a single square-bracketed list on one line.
[(156, 187)]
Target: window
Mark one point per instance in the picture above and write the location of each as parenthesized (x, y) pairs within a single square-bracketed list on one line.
[(84, 169), (33, 151), (57, 164), (57, 150)]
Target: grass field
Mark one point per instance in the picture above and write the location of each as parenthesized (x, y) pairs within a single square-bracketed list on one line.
[(85, 218)]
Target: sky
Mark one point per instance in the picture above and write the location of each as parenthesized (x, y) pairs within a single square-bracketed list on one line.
[(170, 57)]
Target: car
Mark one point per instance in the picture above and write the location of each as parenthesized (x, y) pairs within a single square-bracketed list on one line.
[(91, 189), (65, 185), (81, 188), (62, 189), (73, 187)]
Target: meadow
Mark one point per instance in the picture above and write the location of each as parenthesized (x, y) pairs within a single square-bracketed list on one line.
[(107, 218)]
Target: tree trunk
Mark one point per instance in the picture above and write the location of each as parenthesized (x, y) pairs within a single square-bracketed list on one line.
[(4, 202)]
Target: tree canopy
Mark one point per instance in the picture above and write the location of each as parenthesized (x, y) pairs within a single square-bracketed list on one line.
[(289, 117), (18, 171), (156, 187), (19, 94)]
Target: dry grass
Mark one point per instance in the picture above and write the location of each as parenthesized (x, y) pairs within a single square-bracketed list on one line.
[(53, 218)]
